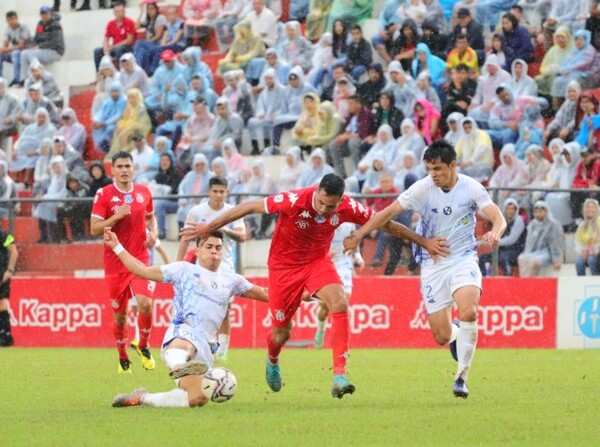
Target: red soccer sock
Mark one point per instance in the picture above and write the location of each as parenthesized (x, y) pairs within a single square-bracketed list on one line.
[(340, 334), (120, 334), (145, 325), (273, 349)]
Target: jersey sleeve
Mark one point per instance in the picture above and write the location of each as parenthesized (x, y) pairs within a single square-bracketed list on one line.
[(357, 212), (150, 202), (479, 194), (242, 285), (99, 208), (174, 271), (414, 197), (280, 203)]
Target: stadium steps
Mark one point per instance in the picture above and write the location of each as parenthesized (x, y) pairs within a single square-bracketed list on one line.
[(26, 230)]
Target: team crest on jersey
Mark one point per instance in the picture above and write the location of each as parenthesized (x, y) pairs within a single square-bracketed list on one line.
[(115, 304), (320, 219), (139, 197), (302, 224), (334, 220), (447, 210), (278, 198), (128, 198), (280, 315), (213, 284)]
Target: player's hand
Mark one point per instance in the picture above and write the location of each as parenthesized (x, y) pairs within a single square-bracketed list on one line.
[(492, 238), (437, 246), (151, 238), (123, 211), (110, 238), (193, 231), (351, 242), (306, 296)]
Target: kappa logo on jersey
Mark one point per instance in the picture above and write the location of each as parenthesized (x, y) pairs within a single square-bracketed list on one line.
[(305, 214), (115, 199), (140, 198), (302, 224), (293, 197), (334, 220), (278, 198), (128, 198), (447, 210), (320, 219)]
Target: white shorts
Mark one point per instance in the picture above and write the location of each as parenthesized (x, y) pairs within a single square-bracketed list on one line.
[(197, 338), (346, 277), (440, 281)]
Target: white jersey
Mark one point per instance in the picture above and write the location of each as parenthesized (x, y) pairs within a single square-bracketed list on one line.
[(341, 261), (201, 296), (203, 213), (448, 214)]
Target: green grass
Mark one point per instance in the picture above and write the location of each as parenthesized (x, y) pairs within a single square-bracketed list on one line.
[(61, 397)]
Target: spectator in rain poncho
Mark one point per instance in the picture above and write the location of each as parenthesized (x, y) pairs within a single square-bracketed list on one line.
[(291, 171), (561, 176), (554, 58), (73, 131), (73, 159), (534, 176), (522, 84), (317, 168), (38, 74), (196, 132), (219, 167), (587, 239), (343, 90), (308, 122), (176, 104), (226, 125), (531, 129), (46, 211), (427, 120), (322, 62), (105, 119), (485, 95), (197, 87), (238, 96), (511, 172), (376, 168), (403, 87), (563, 124), (474, 152), (163, 80), (455, 131), (406, 166), (260, 183), (318, 15), (193, 65), (143, 156), (329, 125), (410, 140), (354, 11), (488, 11), (162, 145), (544, 243), (41, 171), (194, 183), (131, 75), (295, 49), (384, 148), (425, 61), (7, 189), (27, 146), (104, 78), (424, 90), (34, 101), (233, 159), (135, 120), (9, 109), (246, 46)]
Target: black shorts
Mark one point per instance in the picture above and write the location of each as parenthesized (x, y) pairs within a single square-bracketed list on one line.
[(5, 290)]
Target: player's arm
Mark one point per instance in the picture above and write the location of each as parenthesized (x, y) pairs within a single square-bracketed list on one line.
[(163, 254), (256, 293), (152, 228), (97, 225), (13, 255), (493, 213), (139, 269), (192, 231), (236, 234), (379, 220)]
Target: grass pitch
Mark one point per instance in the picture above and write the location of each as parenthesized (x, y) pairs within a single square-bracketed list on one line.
[(61, 397)]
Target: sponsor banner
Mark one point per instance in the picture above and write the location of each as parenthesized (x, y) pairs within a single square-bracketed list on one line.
[(578, 313), (384, 313)]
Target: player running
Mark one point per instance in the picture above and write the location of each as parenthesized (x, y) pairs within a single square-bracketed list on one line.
[(446, 202), (127, 208), (344, 265), (202, 295), (298, 260), (234, 232)]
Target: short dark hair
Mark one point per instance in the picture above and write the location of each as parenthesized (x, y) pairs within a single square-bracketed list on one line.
[(356, 27), (121, 154), (462, 67), (462, 36), (340, 65), (333, 185), (11, 14), (512, 18), (118, 3), (217, 233), (500, 89), (218, 181), (440, 150), (356, 98), (518, 8)]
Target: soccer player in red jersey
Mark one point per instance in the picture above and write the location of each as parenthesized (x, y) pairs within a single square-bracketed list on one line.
[(299, 259), (127, 208)]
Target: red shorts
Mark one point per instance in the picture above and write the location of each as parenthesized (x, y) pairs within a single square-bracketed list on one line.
[(287, 285), (123, 286)]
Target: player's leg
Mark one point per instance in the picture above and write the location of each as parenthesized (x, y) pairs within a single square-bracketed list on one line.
[(467, 300), (143, 291), (120, 333), (223, 337), (133, 310), (6, 338), (322, 315)]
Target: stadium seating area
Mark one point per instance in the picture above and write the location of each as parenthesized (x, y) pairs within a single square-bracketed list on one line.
[(426, 85)]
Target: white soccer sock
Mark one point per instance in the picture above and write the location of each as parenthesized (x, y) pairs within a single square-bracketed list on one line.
[(171, 399), (223, 340), (174, 357), (322, 325), (137, 331), (466, 341), (454, 332)]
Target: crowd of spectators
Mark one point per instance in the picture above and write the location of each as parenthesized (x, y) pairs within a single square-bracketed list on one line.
[(510, 84)]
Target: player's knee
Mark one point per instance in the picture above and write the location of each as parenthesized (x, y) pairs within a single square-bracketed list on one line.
[(281, 336), (120, 319), (441, 338), (338, 303), (145, 305), (197, 399)]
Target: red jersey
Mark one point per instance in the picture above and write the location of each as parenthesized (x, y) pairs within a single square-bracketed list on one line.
[(131, 230), (118, 33), (301, 235)]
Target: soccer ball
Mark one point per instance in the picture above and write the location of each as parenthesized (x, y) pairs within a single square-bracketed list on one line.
[(219, 384)]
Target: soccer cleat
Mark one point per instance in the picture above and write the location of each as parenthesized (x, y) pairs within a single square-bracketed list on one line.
[(135, 343), (221, 358), (273, 375), (129, 400), (191, 368), (7, 341), (460, 388), (319, 336), (146, 357), (452, 345), (341, 386), (124, 366)]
